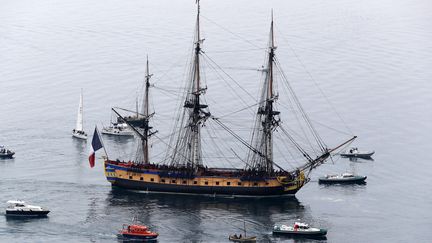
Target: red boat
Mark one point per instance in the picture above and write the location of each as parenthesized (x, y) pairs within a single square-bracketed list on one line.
[(136, 231)]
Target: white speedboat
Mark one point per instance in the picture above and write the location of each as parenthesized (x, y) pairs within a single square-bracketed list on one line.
[(355, 153), (345, 178), (298, 229), (6, 153), (78, 132), (20, 208), (118, 129)]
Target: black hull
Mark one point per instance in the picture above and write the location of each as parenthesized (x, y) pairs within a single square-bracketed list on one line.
[(359, 180), (362, 156), (204, 190), (6, 156), (27, 213), (317, 236), (138, 237)]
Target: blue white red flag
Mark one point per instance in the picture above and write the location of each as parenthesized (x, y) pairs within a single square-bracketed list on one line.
[(95, 146)]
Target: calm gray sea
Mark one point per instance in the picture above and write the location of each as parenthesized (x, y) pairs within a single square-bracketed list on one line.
[(371, 59)]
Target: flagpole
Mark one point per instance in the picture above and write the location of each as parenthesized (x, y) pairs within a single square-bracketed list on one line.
[(100, 138)]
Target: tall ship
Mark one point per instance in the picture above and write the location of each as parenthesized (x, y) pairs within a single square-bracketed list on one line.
[(185, 171)]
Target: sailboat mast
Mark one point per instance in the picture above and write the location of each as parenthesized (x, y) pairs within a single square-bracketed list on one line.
[(197, 52), (271, 56), (146, 126), (196, 133), (194, 104), (269, 113), (195, 113), (136, 107), (79, 124)]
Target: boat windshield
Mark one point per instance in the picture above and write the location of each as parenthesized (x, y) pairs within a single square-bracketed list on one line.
[(301, 226)]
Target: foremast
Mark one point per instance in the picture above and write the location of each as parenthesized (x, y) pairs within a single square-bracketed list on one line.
[(187, 151)]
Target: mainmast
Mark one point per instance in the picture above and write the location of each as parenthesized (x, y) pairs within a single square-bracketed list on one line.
[(192, 103)]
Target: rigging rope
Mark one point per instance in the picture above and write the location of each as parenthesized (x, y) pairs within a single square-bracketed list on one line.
[(244, 142), (232, 79), (234, 34), (299, 106), (316, 83)]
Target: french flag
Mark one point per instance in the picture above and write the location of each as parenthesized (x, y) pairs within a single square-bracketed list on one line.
[(95, 146)]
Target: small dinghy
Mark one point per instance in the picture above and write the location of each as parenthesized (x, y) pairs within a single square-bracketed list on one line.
[(6, 153), (299, 229), (345, 178), (242, 238), (20, 208), (137, 232), (355, 153)]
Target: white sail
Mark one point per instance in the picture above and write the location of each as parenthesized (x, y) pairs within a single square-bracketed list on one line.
[(79, 123)]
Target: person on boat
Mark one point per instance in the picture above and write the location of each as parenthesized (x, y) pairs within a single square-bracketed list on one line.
[(240, 236), (235, 236)]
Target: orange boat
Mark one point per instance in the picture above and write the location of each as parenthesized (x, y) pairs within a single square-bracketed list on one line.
[(136, 231)]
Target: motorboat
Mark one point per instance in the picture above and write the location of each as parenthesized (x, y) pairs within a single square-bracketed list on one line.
[(298, 229), (6, 153), (138, 232), (355, 153), (21, 208), (345, 178), (118, 129)]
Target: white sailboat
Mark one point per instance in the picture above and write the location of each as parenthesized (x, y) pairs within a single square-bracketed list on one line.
[(78, 132)]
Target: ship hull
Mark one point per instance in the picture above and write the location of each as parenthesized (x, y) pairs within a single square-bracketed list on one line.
[(228, 186), (200, 190)]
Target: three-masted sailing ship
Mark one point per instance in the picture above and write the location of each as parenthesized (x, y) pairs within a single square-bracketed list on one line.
[(185, 171)]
